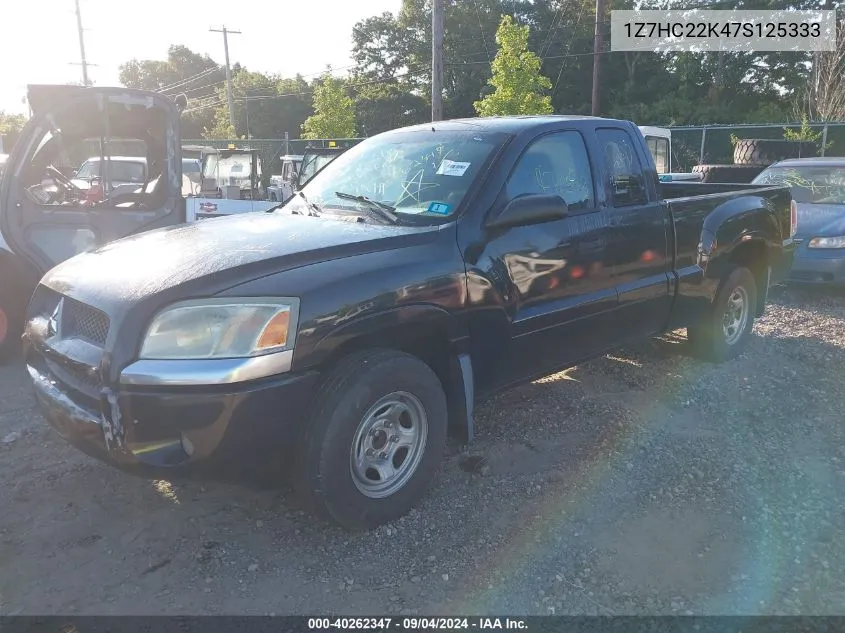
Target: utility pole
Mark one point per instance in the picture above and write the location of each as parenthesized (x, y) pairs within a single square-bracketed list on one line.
[(82, 45), (437, 28), (597, 52), (225, 33)]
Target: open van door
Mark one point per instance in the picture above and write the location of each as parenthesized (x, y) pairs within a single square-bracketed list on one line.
[(46, 217)]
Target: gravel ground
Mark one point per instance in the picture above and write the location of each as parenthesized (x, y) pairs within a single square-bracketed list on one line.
[(644, 482)]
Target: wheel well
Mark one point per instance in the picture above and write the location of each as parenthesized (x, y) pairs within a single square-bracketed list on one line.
[(753, 256), (429, 344)]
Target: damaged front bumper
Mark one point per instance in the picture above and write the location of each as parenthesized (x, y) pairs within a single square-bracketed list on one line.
[(214, 430)]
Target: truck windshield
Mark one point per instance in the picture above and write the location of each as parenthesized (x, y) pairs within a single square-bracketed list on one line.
[(813, 183), (420, 173), (313, 163), (229, 170)]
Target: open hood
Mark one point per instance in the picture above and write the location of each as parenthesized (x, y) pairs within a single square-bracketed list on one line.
[(42, 97)]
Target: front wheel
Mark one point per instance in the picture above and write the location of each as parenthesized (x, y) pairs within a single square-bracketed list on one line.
[(725, 331), (375, 441)]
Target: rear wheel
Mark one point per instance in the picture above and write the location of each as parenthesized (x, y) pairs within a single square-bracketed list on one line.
[(724, 333), (376, 438)]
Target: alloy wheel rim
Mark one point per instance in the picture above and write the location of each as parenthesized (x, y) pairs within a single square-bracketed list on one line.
[(735, 318)]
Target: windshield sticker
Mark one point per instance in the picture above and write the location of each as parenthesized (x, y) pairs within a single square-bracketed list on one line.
[(440, 208), (452, 168)]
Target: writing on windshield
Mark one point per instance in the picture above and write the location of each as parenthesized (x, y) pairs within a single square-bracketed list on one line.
[(421, 173)]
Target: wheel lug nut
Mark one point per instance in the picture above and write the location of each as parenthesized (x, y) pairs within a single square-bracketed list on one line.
[(394, 438), (370, 452), (382, 455)]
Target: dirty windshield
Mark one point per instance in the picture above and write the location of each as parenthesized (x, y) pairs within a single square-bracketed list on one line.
[(314, 163), (814, 184), (421, 173), (229, 170)]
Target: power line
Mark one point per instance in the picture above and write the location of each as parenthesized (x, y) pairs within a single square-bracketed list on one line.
[(187, 80), (568, 48), (552, 30), (225, 33), (481, 28)]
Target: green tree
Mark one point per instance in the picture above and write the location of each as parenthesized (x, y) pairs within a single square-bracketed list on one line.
[(220, 128), (386, 106), (518, 86), (186, 72), (334, 111), (11, 123)]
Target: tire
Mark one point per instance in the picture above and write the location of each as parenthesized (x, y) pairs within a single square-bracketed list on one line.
[(711, 339), (763, 151), (355, 392), (727, 173)]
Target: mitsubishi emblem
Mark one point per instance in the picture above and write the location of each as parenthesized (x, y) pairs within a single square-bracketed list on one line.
[(55, 319)]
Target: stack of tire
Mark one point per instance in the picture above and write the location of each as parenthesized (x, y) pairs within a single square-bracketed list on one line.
[(753, 155)]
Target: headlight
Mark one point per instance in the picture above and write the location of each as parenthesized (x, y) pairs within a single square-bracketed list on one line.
[(827, 242), (221, 328)]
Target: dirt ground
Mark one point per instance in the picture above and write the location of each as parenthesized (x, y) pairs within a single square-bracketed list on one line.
[(644, 482)]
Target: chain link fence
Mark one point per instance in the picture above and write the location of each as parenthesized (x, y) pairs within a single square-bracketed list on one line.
[(711, 144)]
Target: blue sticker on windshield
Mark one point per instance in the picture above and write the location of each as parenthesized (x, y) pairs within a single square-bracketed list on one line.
[(440, 208)]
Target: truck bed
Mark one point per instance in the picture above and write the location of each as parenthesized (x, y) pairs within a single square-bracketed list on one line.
[(674, 190)]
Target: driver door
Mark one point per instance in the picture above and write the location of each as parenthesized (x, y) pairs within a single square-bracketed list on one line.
[(46, 214)]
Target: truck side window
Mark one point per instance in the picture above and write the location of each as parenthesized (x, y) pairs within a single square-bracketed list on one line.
[(555, 164), (659, 148), (623, 166)]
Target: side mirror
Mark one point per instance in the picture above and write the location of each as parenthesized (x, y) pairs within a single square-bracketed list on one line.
[(530, 209)]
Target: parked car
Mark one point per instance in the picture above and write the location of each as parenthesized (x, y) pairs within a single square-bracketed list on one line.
[(422, 270), (818, 188), (122, 170), (191, 176)]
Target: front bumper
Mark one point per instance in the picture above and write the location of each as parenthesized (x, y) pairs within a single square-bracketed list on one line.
[(196, 431), (818, 267)]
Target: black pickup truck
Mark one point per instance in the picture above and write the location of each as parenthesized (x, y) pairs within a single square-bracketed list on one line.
[(347, 332)]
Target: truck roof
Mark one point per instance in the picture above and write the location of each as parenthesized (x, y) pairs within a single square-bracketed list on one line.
[(512, 124), (818, 161)]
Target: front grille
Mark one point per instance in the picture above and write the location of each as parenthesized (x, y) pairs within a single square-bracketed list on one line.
[(83, 321), (80, 383)]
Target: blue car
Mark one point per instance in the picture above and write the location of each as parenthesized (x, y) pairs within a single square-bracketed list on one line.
[(818, 188)]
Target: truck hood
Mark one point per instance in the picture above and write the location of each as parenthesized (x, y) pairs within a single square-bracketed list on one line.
[(209, 256), (820, 220)]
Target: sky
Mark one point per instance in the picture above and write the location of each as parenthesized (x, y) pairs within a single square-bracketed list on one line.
[(286, 37)]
